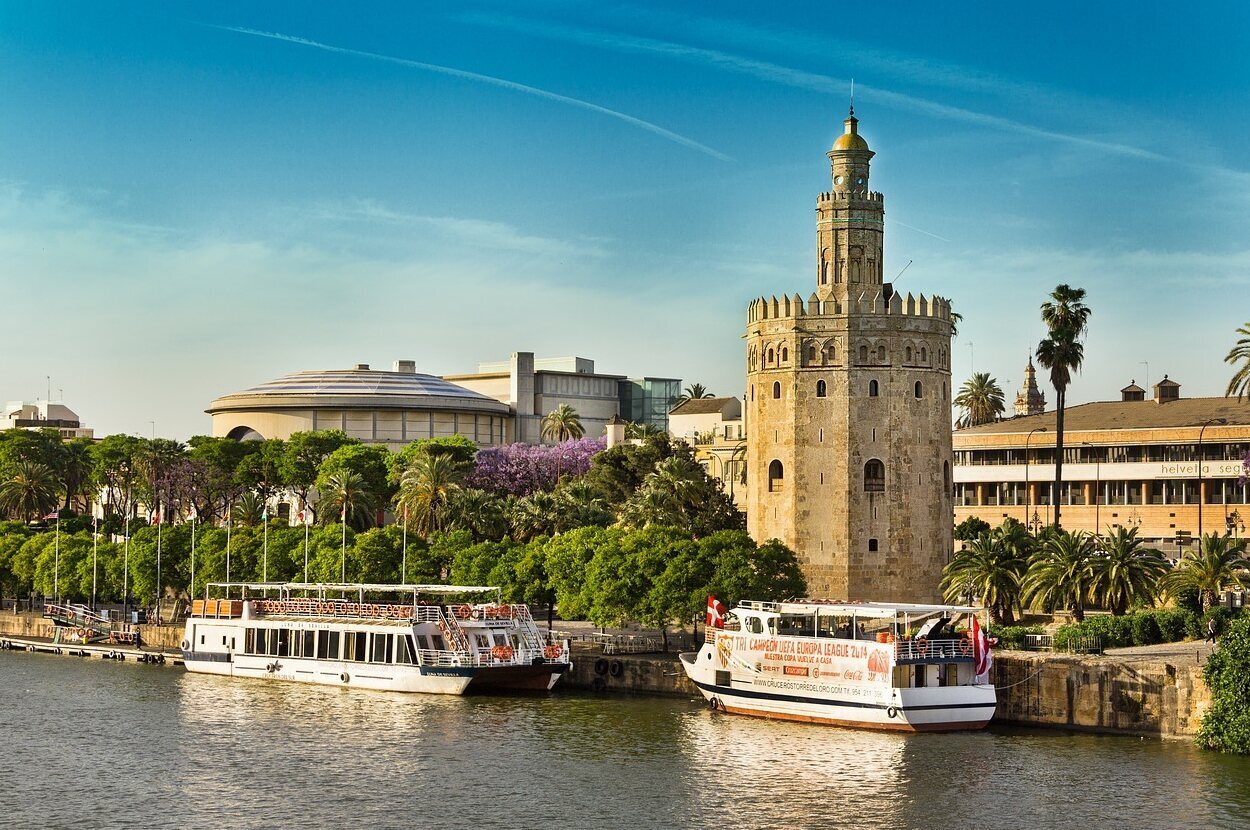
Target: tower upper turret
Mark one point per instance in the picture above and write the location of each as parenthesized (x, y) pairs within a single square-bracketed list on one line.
[(849, 157), (849, 219)]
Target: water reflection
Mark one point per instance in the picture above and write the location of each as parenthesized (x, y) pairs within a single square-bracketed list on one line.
[(127, 745)]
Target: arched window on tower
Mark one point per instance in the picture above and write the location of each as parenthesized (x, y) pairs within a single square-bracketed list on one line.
[(776, 390), (821, 389), (863, 354), (811, 354), (874, 476), (873, 389), (832, 352), (771, 356), (909, 354), (785, 354), (881, 354), (924, 354), (919, 390), (776, 476)]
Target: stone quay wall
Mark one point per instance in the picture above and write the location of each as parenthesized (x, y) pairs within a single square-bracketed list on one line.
[(31, 624)]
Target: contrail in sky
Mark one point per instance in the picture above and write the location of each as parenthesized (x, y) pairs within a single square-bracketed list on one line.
[(492, 81)]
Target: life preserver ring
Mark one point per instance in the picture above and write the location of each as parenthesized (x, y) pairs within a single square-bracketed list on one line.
[(617, 668), (553, 652), (497, 652), (922, 647), (601, 667), (965, 647), (186, 644), (462, 612), (475, 613), (345, 677), (891, 712)]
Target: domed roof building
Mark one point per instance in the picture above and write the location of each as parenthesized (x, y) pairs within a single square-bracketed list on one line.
[(377, 407)]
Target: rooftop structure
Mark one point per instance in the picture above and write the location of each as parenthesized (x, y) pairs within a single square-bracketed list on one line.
[(380, 407), (44, 414)]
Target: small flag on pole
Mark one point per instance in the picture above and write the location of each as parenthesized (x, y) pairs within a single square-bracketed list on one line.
[(55, 514), (343, 515), (715, 613), (264, 514)]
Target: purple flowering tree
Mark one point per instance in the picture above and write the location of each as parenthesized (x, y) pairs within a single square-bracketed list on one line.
[(521, 469)]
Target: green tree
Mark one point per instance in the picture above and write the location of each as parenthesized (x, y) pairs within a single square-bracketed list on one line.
[(533, 516), (579, 504), (981, 399), (483, 514), (1239, 358), (349, 498), (369, 461), (260, 470), (209, 483), (680, 493), (302, 457), (1124, 572), (567, 559), (76, 469), (970, 528), (1218, 563), (28, 491), (118, 471), (769, 571), (695, 391), (562, 424), (426, 491), (1061, 573), (989, 569), (247, 510), (459, 448), (1066, 318)]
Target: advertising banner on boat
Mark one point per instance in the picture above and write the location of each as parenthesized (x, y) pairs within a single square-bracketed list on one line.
[(851, 668)]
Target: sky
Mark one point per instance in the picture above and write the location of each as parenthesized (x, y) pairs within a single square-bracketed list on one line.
[(198, 197)]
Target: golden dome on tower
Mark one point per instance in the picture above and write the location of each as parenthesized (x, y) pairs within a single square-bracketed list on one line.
[(850, 139)]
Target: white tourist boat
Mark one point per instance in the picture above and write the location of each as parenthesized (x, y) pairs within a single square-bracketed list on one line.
[(440, 639), (872, 665)]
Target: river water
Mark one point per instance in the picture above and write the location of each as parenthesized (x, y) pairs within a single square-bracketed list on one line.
[(98, 744)]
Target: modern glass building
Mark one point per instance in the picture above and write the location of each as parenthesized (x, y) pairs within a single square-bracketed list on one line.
[(648, 400)]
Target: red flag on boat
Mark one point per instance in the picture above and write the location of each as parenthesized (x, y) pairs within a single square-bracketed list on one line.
[(981, 645), (715, 613)]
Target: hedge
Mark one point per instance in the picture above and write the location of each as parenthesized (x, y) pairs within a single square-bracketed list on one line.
[(1226, 725), (1144, 628)]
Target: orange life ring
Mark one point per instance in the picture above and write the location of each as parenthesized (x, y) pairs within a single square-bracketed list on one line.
[(497, 652), (965, 647), (553, 652), (922, 646), (462, 612), (475, 613)]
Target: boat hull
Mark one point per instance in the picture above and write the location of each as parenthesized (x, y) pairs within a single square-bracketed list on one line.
[(942, 709)]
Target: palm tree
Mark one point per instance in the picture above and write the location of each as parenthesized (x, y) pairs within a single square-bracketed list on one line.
[(563, 424), (76, 468), (1061, 572), (1124, 572), (580, 504), (29, 491), (533, 516), (426, 489), (349, 494), (248, 510), (481, 513), (642, 429), (694, 392), (1240, 353), (981, 399), (989, 569), (1066, 317), (1218, 563)]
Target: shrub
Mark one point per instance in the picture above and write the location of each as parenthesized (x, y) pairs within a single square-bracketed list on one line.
[(1012, 636), (1226, 725), (1146, 631), (1173, 624), (1222, 617)]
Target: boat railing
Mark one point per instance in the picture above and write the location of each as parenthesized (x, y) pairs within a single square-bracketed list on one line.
[(758, 605), (924, 650), (492, 657), (79, 615), (307, 607)]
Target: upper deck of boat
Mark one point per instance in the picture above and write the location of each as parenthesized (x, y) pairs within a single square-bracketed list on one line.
[(875, 610)]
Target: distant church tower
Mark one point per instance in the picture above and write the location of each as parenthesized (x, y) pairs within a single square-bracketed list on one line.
[(849, 413), (1030, 400)]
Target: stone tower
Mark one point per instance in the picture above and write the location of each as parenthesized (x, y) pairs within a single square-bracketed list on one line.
[(1030, 400), (849, 413)]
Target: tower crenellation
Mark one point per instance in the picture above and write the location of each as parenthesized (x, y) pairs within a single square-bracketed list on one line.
[(848, 408)]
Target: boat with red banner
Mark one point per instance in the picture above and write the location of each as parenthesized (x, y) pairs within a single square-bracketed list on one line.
[(441, 639), (899, 666)]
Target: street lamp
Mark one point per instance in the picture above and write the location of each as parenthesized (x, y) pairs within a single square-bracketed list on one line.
[(1097, 488), (1028, 495), (1201, 459)]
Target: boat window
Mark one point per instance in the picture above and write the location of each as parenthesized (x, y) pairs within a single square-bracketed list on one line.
[(310, 643), (755, 625), (249, 641), (403, 649), (272, 636), (362, 645), (772, 625), (797, 625), (331, 645), (284, 642), (482, 640), (423, 642), (382, 648), (951, 676), (437, 640), (297, 644)]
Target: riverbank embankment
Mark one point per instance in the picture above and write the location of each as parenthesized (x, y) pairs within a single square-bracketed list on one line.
[(32, 625)]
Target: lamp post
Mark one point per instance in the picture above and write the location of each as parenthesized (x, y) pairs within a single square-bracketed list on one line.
[(1201, 459), (1028, 495), (1097, 488)]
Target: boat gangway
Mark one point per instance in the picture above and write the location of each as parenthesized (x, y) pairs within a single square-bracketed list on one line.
[(78, 624)]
